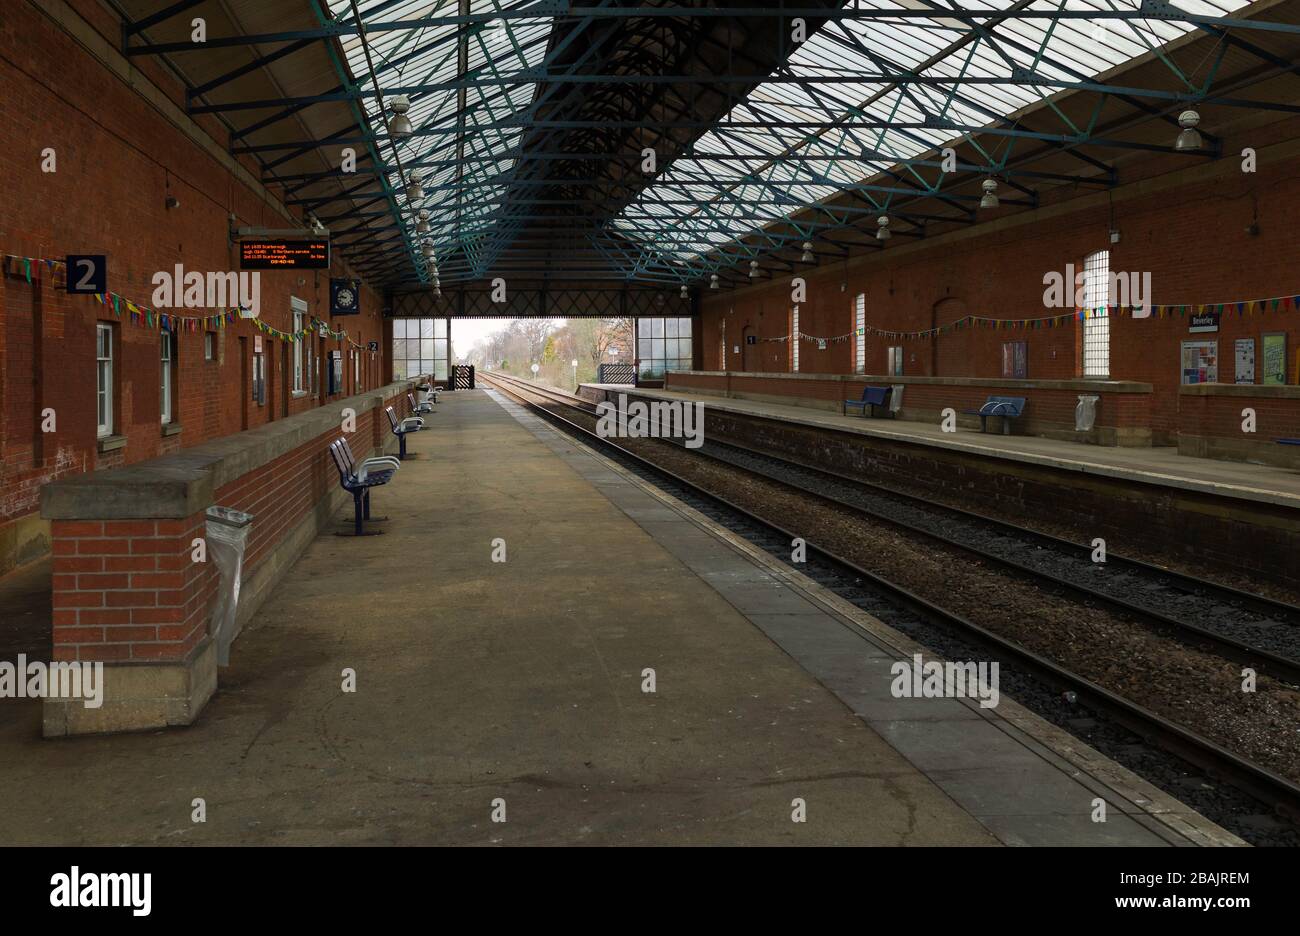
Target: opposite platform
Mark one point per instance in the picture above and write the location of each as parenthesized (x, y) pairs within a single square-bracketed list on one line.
[(1158, 465)]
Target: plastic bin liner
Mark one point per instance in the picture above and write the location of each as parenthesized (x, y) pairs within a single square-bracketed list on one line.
[(227, 536), (1085, 413)]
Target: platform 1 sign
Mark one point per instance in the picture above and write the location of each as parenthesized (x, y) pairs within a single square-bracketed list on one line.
[(278, 253)]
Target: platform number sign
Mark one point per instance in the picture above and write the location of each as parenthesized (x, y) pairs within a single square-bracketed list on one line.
[(87, 274)]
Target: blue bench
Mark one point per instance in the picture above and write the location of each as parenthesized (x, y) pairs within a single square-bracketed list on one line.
[(872, 397), (1287, 441), (1008, 407), (402, 428), (357, 480)]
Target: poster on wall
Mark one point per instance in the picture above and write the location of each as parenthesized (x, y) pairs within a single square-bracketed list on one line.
[(1200, 362), (1015, 359), (1245, 360), (1273, 365)]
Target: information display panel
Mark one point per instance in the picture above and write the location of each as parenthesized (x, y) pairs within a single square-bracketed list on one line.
[(278, 253)]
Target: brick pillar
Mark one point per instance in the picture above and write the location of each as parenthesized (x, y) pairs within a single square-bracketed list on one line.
[(129, 594)]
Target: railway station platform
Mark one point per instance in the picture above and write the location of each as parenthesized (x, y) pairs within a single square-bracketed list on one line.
[(1245, 517), (518, 690)]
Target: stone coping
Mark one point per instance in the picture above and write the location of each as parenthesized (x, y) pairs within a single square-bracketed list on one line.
[(1260, 391), (183, 483), (1095, 386)]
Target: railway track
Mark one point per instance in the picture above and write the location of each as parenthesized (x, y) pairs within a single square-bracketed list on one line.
[(1260, 781)]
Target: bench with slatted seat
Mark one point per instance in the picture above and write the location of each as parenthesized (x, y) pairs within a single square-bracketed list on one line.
[(358, 479), (1008, 407), (402, 428), (871, 397)]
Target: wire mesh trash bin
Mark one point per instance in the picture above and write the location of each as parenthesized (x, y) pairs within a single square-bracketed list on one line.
[(1085, 414), (227, 535)]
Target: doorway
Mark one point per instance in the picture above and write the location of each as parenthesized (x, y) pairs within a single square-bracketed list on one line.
[(284, 378), (245, 382), (749, 350)]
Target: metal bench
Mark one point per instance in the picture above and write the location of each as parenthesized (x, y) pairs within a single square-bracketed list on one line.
[(402, 428), (357, 480), (871, 397), (368, 466), (425, 407), (1008, 407), (1287, 441), (430, 391)]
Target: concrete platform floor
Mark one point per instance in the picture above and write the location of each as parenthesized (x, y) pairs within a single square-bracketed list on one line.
[(1161, 465), (479, 680)]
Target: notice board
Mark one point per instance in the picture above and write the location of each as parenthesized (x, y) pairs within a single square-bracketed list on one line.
[(1200, 362), (1273, 365), (1245, 348)]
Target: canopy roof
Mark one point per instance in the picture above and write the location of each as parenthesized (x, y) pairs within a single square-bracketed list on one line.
[(659, 143)]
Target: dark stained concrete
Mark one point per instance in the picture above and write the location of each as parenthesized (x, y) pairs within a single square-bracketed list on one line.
[(479, 681)]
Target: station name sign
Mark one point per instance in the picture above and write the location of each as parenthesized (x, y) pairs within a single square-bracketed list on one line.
[(280, 253)]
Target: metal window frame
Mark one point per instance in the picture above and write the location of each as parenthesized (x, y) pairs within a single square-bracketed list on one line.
[(104, 378)]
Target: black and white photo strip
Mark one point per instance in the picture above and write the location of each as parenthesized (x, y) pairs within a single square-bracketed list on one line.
[(840, 423)]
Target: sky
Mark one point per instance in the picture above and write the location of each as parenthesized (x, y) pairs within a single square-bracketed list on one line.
[(465, 333)]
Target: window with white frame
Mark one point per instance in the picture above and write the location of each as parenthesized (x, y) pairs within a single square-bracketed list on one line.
[(662, 344), (860, 334), (166, 385), (299, 316), (1096, 325), (794, 338), (104, 376), (722, 346), (209, 346), (420, 347)]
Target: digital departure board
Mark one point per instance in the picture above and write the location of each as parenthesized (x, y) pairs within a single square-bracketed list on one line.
[(279, 253)]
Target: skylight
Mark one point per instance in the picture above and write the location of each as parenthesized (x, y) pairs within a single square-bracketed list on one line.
[(702, 203)]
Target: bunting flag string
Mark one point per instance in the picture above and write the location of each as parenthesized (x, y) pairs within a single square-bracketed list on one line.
[(1273, 304), (174, 322), (179, 322)]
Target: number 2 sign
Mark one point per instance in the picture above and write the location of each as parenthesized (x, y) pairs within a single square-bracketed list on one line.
[(87, 274)]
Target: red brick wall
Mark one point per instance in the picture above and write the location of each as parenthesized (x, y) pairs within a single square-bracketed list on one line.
[(118, 157), (1220, 417), (1187, 230), (128, 589), (1048, 408)]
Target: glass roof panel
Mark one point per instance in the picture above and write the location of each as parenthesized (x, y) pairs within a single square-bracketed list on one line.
[(941, 47), (464, 175)]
